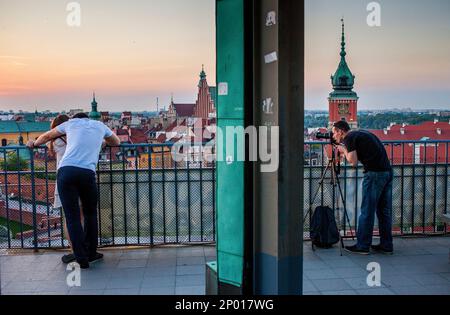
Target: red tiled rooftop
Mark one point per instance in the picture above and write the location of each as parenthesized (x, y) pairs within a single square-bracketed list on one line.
[(184, 110), (427, 129), (25, 187)]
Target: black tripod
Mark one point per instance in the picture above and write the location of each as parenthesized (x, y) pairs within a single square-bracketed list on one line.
[(333, 165)]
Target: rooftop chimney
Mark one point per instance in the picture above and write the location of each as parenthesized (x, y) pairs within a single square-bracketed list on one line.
[(385, 131), (404, 125), (436, 121), (439, 131), (402, 131)]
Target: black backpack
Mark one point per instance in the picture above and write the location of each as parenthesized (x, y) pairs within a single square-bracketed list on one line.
[(323, 232)]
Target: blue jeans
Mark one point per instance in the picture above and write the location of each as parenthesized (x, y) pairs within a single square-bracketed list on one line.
[(376, 198), (76, 184)]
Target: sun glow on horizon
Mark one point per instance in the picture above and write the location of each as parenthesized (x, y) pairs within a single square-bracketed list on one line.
[(132, 53)]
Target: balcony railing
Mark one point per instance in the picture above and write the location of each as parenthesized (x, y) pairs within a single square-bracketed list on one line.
[(148, 198), (144, 197), (420, 186)]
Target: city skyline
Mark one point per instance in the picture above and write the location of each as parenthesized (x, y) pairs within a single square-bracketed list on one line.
[(135, 53)]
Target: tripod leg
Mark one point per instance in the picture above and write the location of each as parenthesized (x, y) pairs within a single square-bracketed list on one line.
[(345, 207), (335, 180), (317, 191)]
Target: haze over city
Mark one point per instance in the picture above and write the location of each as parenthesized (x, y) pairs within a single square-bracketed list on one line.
[(131, 53)]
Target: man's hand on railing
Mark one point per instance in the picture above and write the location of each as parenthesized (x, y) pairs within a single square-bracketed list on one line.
[(30, 144), (112, 140)]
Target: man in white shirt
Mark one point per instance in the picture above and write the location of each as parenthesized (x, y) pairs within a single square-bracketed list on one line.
[(76, 180)]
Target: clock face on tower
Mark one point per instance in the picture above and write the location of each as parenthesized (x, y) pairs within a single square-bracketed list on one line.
[(343, 109)]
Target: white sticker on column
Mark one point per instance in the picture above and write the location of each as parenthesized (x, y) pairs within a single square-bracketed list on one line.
[(223, 88), (229, 159), (272, 57), (271, 18), (267, 106)]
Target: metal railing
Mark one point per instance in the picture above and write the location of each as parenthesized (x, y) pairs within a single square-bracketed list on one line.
[(420, 186), (146, 198)]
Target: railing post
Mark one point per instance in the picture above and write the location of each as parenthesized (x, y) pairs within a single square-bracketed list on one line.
[(446, 184), (33, 201), (5, 169), (47, 199), (99, 213), (19, 169), (111, 194)]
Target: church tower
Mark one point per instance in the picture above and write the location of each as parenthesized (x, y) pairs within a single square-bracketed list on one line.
[(204, 106), (343, 100), (94, 114)]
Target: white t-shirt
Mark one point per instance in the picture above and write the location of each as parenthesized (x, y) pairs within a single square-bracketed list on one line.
[(84, 141)]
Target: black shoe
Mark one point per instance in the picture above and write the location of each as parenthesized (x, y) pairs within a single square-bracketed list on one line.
[(356, 250), (96, 257), (84, 263), (67, 259), (378, 248)]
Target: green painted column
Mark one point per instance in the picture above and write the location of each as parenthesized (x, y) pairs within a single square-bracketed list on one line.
[(230, 171), (260, 83)]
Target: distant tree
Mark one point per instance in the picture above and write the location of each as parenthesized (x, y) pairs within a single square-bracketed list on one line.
[(383, 120), (13, 163), (376, 121)]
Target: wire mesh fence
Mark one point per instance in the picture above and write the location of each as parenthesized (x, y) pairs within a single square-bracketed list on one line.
[(145, 197), (420, 187), (148, 197)]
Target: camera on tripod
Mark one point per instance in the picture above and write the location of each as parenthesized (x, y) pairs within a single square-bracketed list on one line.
[(327, 136)]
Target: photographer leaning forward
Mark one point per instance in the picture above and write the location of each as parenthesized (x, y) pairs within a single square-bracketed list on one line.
[(363, 146)]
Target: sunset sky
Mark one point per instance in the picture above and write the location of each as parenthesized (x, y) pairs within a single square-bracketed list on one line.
[(403, 63), (131, 52)]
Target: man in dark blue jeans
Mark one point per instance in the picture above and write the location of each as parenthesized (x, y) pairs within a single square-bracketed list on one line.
[(363, 146), (74, 184), (76, 181)]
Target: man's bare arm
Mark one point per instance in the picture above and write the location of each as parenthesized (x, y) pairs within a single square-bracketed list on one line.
[(44, 138), (352, 157), (113, 140)]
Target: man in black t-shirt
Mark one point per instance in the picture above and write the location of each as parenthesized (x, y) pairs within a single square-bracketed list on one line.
[(365, 147)]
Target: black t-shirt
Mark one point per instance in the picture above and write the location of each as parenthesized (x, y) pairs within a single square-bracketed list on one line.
[(371, 152)]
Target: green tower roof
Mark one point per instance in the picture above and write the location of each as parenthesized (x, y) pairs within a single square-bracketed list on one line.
[(343, 79), (202, 75), (94, 114)]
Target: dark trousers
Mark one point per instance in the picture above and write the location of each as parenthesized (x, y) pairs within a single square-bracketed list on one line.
[(76, 184), (376, 199)]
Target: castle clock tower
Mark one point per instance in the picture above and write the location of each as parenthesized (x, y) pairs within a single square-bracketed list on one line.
[(343, 100)]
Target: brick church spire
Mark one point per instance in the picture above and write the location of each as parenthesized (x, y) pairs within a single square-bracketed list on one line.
[(205, 104)]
